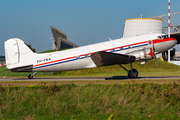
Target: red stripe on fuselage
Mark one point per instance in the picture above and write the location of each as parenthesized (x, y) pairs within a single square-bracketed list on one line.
[(53, 61), (162, 40)]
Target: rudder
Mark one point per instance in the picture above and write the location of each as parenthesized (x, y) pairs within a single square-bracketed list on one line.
[(16, 52)]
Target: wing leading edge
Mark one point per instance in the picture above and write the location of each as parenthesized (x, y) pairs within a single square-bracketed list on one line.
[(105, 58)]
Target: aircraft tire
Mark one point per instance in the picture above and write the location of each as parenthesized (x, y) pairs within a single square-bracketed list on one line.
[(135, 72), (30, 77)]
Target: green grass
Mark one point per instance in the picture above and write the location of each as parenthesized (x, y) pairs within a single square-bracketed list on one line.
[(149, 69), (91, 101)]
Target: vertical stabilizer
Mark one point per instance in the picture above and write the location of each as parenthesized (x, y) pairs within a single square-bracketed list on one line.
[(11, 52), (17, 52)]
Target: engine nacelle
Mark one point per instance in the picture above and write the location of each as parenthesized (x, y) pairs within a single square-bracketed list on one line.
[(142, 55)]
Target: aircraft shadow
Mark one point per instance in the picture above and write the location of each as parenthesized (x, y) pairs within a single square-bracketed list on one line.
[(139, 78), (117, 78)]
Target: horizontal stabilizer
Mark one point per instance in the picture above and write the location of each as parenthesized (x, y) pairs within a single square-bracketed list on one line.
[(27, 68), (105, 58)]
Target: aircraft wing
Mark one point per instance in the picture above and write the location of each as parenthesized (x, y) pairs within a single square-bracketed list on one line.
[(106, 58)]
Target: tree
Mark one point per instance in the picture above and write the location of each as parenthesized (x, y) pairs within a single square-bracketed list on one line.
[(33, 49)]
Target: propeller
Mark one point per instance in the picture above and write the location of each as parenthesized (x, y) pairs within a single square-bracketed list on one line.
[(154, 54)]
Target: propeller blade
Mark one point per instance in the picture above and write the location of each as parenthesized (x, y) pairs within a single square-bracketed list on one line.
[(155, 58), (154, 54)]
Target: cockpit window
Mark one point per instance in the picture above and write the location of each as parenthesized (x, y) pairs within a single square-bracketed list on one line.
[(159, 37), (162, 37)]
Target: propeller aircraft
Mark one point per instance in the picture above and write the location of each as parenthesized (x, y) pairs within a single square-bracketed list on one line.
[(19, 58)]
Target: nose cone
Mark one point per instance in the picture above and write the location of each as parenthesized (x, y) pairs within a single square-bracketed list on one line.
[(165, 45), (175, 41), (172, 42)]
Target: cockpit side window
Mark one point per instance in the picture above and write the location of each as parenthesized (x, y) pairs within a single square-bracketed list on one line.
[(164, 36), (159, 37)]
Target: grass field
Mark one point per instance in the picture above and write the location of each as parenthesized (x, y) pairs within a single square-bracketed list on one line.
[(149, 69), (106, 100), (91, 101)]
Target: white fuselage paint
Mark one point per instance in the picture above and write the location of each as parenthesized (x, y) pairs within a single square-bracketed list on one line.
[(79, 58)]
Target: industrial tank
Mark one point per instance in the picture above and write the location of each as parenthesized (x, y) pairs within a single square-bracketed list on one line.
[(139, 26)]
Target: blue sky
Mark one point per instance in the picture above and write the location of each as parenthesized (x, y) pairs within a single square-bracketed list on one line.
[(83, 21)]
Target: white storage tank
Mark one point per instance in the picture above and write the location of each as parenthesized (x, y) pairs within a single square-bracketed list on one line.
[(139, 26)]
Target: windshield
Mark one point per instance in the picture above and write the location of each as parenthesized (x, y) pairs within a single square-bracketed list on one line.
[(162, 37)]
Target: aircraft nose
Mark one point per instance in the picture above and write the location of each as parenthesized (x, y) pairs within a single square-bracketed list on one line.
[(172, 42), (165, 45), (175, 42)]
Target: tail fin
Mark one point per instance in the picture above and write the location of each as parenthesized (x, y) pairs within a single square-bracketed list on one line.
[(16, 52)]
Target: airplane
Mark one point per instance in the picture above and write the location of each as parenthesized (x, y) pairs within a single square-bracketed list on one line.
[(19, 58)]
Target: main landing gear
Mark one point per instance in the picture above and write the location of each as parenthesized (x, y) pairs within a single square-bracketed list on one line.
[(133, 73), (31, 75)]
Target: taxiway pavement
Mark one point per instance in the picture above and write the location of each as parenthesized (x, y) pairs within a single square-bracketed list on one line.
[(89, 78)]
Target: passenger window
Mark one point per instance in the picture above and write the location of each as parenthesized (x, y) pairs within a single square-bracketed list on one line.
[(121, 48), (78, 57), (86, 55), (112, 50), (130, 46)]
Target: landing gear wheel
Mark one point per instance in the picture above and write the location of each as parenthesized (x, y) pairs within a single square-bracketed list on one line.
[(30, 76), (133, 75)]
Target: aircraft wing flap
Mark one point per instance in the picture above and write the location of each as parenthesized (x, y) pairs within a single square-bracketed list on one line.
[(105, 58)]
